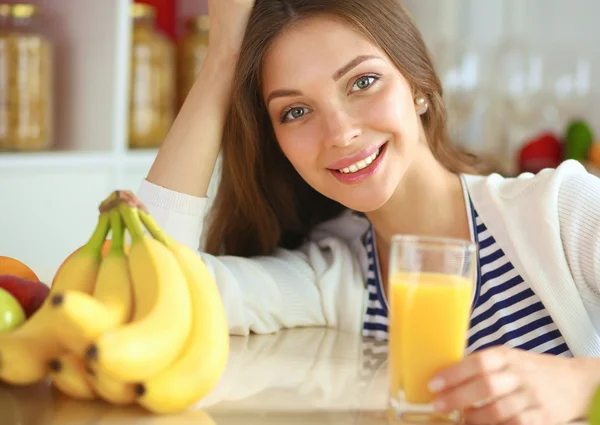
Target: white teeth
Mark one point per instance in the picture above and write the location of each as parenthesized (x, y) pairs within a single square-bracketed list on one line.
[(363, 163)]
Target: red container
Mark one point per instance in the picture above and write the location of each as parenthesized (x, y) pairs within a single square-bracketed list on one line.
[(165, 15)]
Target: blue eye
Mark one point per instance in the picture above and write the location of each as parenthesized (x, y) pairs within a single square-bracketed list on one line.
[(294, 114), (364, 82)]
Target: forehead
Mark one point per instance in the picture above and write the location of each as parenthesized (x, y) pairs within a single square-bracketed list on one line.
[(315, 47)]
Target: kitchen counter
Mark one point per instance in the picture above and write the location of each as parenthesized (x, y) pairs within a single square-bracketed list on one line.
[(300, 376)]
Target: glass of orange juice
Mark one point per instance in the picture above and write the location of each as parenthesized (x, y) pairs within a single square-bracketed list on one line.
[(430, 292)]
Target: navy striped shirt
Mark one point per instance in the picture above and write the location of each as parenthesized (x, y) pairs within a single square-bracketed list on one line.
[(505, 309)]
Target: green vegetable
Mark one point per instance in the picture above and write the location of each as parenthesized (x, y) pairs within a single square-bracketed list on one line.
[(578, 141)]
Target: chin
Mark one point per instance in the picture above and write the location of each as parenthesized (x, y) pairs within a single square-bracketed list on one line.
[(371, 202)]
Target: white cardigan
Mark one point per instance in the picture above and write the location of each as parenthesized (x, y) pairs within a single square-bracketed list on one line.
[(547, 224)]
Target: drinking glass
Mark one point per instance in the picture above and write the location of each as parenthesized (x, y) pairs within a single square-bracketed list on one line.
[(431, 284)]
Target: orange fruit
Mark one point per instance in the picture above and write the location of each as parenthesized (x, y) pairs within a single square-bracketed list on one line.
[(14, 267), (594, 154), (106, 247)]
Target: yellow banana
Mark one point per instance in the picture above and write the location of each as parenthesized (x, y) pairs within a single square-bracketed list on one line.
[(203, 359), (69, 376), (141, 348), (110, 389), (81, 318), (113, 287), (26, 351)]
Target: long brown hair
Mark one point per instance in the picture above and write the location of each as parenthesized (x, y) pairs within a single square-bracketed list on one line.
[(262, 202)]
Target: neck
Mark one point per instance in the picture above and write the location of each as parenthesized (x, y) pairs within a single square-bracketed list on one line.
[(429, 202)]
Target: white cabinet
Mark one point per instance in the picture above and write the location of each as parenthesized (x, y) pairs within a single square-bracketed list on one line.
[(50, 208)]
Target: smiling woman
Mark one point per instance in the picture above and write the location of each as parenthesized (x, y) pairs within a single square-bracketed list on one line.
[(346, 100), (333, 136)]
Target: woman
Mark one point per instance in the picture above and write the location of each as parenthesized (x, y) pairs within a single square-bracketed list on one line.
[(334, 139)]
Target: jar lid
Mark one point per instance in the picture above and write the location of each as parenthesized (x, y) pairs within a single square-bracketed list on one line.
[(23, 10), (142, 10), (5, 9)]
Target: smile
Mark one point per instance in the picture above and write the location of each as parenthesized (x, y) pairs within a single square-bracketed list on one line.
[(359, 165), (361, 169)]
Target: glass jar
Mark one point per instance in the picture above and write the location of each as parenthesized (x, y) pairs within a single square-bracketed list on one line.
[(26, 82), (5, 14), (152, 87), (191, 53)]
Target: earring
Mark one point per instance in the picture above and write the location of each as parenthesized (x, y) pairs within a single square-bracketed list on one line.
[(422, 105)]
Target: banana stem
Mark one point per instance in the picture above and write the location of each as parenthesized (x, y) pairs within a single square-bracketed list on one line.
[(154, 229), (118, 233), (132, 221), (94, 244), (109, 202)]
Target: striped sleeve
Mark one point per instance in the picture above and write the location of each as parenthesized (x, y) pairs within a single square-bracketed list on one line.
[(579, 218)]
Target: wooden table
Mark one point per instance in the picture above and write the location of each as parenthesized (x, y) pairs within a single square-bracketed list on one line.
[(300, 376)]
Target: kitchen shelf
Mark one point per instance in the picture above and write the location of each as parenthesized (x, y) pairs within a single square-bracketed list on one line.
[(55, 159)]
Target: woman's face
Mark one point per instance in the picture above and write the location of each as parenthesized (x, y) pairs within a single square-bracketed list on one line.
[(342, 113)]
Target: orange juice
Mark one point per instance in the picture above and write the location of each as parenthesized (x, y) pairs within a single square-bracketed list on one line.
[(429, 315)]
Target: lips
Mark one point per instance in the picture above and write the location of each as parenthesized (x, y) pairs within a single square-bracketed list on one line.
[(353, 178), (355, 158)]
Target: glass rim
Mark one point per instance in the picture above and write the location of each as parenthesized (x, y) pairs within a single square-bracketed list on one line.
[(430, 242)]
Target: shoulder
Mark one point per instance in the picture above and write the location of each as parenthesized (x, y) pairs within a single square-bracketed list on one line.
[(543, 186)]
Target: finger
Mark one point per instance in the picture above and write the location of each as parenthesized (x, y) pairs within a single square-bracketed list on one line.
[(531, 416), (481, 363), (499, 410), (483, 387)]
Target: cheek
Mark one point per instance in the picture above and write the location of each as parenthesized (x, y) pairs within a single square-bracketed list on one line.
[(392, 111), (299, 146)]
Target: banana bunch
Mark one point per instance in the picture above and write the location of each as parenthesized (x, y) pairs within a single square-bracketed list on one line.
[(140, 324)]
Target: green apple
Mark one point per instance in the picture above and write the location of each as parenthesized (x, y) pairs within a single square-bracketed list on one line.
[(11, 312)]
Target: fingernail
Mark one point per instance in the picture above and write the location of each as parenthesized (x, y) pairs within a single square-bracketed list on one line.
[(436, 385)]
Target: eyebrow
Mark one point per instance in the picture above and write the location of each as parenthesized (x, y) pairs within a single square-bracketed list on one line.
[(336, 77), (351, 65), (282, 93)]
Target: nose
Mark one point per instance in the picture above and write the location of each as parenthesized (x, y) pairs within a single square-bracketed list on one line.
[(339, 128)]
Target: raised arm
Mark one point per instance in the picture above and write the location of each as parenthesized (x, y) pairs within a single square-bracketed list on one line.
[(187, 156)]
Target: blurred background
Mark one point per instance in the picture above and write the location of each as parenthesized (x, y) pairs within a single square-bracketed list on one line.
[(521, 78), (89, 88)]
